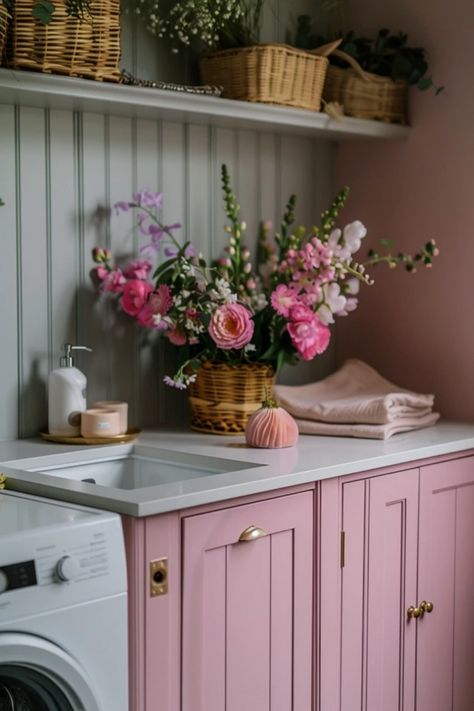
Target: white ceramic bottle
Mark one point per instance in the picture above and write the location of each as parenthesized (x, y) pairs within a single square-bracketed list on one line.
[(66, 395)]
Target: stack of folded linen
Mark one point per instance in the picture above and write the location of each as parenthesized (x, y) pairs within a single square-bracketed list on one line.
[(356, 401)]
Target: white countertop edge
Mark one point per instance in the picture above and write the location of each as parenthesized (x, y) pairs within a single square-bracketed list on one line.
[(279, 468)]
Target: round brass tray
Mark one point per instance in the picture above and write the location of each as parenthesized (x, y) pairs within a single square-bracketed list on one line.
[(129, 436)]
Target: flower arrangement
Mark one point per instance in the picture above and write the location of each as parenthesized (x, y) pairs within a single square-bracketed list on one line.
[(216, 24), (230, 312)]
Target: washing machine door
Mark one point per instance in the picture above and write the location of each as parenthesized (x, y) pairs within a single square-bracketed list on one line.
[(36, 675)]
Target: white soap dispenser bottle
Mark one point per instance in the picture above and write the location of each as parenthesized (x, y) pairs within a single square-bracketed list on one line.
[(66, 395)]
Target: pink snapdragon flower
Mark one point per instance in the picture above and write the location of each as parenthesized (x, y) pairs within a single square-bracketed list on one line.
[(112, 281), (283, 299), (138, 269), (134, 296), (231, 326)]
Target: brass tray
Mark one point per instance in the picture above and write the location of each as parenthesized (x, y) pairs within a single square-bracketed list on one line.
[(129, 436)]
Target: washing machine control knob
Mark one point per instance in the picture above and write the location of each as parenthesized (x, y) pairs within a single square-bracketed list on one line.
[(3, 581), (67, 568)]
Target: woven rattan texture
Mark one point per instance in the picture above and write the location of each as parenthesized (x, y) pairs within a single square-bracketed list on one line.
[(89, 48), (224, 396), (267, 73), (380, 98), (4, 20)]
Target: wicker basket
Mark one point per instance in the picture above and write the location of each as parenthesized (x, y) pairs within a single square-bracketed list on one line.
[(224, 396), (4, 18), (88, 48), (267, 73), (366, 95)]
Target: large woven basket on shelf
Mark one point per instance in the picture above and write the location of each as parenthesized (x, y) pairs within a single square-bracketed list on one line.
[(87, 48), (224, 396), (4, 19), (366, 95), (267, 73)]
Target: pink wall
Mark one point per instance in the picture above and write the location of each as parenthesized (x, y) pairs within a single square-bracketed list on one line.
[(418, 330)]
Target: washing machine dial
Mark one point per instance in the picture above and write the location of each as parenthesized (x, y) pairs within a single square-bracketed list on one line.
[(3, 581), (67, 568)]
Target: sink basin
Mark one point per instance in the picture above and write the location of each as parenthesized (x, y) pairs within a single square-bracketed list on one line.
[(144, 467)]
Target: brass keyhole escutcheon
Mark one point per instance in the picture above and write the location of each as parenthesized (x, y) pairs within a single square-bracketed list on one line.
[(158, 577)]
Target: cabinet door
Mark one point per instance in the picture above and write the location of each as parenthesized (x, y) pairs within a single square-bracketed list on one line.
[(445, 678), (247, 608), (378, 585)]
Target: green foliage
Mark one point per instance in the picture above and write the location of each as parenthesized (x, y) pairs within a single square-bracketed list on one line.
[(389, 56)]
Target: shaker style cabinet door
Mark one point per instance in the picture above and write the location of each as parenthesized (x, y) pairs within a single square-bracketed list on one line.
[(445, 676), (248, 607), (378, 584)]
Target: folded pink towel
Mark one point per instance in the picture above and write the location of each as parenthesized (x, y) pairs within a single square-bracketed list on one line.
[(354, 394), (367, 431)]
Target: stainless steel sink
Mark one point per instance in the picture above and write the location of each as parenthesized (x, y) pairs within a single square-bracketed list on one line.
[(143, 467)]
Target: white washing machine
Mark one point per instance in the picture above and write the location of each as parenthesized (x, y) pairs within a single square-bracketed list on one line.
[(63, 607)]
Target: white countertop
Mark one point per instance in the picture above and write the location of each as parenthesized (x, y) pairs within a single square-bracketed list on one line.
[(259, 470)]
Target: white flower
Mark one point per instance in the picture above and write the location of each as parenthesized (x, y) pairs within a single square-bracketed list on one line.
[(353, 235), (334, 302)]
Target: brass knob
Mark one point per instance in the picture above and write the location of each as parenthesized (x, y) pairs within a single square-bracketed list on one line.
[(251, 533), (3, 479), (426, 606), (415, 612)]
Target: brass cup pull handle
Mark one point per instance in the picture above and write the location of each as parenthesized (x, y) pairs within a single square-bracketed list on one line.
[(3, 480), (415, 612), (252, 533), (426, 606)]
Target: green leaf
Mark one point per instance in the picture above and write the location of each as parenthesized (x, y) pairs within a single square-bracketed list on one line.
[(43, 10), (425, 83), (163, 267), (387, 243)]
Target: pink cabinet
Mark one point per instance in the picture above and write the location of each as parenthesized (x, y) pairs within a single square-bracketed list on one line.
[(248, 607), (445, 678), (406, 538)]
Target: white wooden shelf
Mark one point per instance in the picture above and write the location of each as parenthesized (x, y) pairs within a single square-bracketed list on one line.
[(57, 92)]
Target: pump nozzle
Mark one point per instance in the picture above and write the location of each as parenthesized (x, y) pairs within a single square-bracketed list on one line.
[(66, 360)]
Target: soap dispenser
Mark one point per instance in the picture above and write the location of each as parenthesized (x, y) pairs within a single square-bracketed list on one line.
[(66, 395)]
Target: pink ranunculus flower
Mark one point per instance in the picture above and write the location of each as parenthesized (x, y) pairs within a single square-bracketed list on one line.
[(283, 298), (134, 296), (310, 338), (176, 336), (301, 312), (231, 326), (161, 299), (138, 269)]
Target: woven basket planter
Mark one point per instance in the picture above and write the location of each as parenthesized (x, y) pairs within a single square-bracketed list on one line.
[(267, 73), (366, 95), (4, 20), (224, 396), (88, 48)]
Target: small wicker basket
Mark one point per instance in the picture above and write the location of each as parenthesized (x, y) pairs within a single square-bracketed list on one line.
[(89, 48), (267, 73), (4, 19), (366, 95), (224, 396)]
